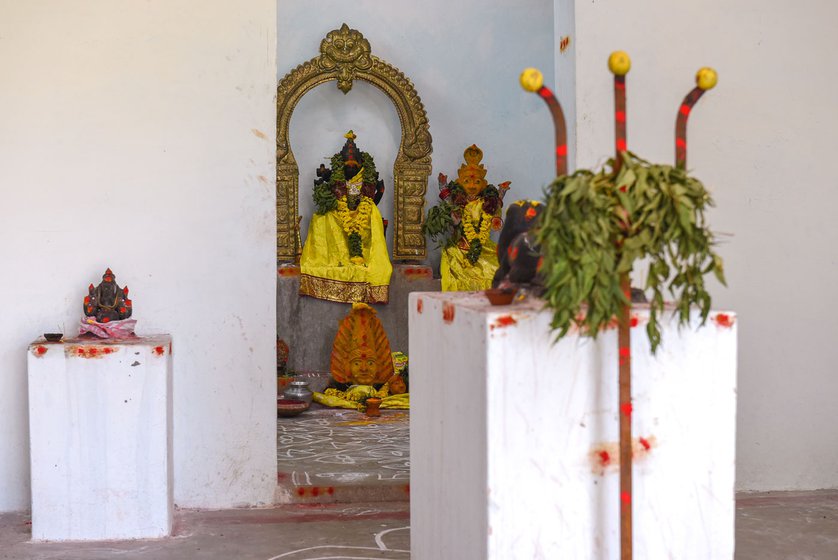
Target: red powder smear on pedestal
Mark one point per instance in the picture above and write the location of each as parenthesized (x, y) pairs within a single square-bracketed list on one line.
[(330, 490), (315, 491), (724, 320), (301, 491), (419, 305), (645, 443), (107, 350), (634, 321), (604, 458), (448, 312), (158, 350), (626, 408), (40, 350), (505, 321)]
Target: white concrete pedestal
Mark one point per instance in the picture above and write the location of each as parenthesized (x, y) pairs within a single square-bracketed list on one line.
[(513, 440), (100, 422)]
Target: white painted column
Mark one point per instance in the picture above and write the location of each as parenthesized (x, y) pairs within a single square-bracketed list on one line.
[(514, 439), (100, 421)]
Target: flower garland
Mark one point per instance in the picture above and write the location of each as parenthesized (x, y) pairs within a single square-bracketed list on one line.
[(476, 238), (464, 222), (354, 223)]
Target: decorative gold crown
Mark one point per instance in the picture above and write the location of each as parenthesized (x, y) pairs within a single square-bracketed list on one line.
[(350, 135), (472, 167)]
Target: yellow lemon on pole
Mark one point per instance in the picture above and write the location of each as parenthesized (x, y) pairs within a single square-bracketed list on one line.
[(532, 79), (706, 78), (619, 63)]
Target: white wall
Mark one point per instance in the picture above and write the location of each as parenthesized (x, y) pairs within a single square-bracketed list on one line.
[(140, 136), (463, 57), (763, 141)]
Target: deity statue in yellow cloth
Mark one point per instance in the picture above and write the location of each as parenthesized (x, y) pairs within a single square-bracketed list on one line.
[(468, 210), (345, 254), (362, 364)]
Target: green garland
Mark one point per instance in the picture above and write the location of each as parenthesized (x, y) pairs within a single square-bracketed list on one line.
[(596, 226), (356, 248), (440, 222), (324, 196)]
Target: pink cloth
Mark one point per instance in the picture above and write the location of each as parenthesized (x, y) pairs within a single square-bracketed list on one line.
[(111, 329)]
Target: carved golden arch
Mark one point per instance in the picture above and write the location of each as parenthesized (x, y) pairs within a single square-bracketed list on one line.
[(344, 57)]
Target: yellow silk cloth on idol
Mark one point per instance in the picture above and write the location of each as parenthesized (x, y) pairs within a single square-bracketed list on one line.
[(326, 271), (459, 275), (351, 398)]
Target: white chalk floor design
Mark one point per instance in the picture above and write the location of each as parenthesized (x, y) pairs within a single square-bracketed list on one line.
[(381, 550), (323, 447)]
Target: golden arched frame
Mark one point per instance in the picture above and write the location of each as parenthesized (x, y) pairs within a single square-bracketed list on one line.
[(345, 56)]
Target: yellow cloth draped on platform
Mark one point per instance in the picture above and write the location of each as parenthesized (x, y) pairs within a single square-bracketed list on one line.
[(327, 271), (459, 275), (351, 398)]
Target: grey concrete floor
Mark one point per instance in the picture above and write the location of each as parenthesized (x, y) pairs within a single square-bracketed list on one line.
[(772, 526), (292, 532), (787, 526)]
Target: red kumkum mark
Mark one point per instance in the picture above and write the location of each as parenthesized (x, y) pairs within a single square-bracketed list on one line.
[(505, 321), (419, 305), (40, 350), (724, 320), (448, 312), (621, 145), (634, 321), (158, 350), (680, 142), (545, 92), (407, 488), (315, 491), (625, 499), (604, 458), (645, 443), (685, 110), (301, 491), (620, 116), (561, 151), (620, 84), (626, 408), (330, 490)]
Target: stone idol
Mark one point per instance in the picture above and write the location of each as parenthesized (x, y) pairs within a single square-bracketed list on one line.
[(107, 310)]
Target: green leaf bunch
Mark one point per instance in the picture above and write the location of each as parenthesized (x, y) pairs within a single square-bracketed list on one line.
[(596, 226), (439, 224)]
